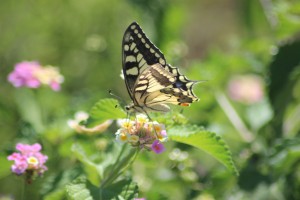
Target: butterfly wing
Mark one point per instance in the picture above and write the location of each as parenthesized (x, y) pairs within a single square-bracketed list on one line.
[(157, 86), (182, 88), (150, 81), (148, 86), (138, 54)]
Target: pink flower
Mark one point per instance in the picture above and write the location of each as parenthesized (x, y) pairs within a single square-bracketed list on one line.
[(23, 75), (50, 76), (25, 148), (55, 86), (29, 159), (33, 75), (142, 133), (246, 89), (157, 147)]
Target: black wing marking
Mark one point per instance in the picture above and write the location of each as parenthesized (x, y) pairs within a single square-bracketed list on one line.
[(150, 81), (154, 78), (158, 86), (182, 87), (138, 54)]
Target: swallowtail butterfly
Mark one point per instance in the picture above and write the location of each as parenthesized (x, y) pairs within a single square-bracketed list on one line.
[(150, 81)]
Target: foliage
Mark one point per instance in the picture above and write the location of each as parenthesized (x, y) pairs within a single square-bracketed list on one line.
[(244, 146), (205, 140)]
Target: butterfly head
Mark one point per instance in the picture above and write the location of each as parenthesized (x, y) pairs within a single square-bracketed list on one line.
[(131, 108)]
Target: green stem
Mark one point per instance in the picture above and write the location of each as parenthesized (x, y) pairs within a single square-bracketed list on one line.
[(29, 108), (23, 188), (120, 166), (234, 118), (118, 158)]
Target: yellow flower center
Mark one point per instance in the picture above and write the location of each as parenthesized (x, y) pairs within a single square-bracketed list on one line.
[(32, 162), (123, 137), (157, 128), (127, 124)]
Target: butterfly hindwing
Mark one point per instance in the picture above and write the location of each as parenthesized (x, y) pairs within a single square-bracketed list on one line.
[(150, 81), (182, 87)]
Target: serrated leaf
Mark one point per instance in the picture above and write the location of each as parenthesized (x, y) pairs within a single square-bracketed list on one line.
[(123, 189), (93, 171), (77, 190), (204, 140), (103, 110)]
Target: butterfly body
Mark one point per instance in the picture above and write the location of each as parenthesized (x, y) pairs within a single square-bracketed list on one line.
[(150, 81)]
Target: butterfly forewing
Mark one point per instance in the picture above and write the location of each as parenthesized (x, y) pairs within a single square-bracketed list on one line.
[(138, 54), (150, 81)]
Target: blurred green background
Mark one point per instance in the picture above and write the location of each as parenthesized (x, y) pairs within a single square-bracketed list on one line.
[(250, 45)]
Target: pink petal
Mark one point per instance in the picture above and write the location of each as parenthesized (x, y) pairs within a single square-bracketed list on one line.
[(55, 86), (36, 147), (157, 147)]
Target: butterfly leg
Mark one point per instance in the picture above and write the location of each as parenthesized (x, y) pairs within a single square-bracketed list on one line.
[(152, 122)]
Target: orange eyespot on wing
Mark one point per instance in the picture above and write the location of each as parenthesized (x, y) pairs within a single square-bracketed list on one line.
[(184, 104), (150, 81)]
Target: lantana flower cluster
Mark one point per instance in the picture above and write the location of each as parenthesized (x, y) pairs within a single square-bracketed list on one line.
[(28, 160), (142, 133), (33, 75)]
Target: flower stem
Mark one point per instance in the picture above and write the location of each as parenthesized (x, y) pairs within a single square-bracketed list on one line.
[(120, 166), (234, 118), (23, 185)]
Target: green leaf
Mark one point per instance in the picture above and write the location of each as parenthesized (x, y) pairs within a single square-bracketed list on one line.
[(103, 110), (57, 194), (284, 73), (93, 171), (123, 189), (204, 140), (54, 184), (77, 190), (80, 189), (286, 156)]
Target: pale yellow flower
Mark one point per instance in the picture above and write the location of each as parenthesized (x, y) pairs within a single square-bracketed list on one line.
[(133, 139), (125, 123), (123, 137), (48, 74), (158, 127), (32, 162), (141, 119)]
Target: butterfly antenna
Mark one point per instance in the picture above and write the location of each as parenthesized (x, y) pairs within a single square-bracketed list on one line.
[(112, 94), (202, 81), (119, 98)]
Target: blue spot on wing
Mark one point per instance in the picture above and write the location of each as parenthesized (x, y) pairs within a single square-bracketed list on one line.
[(180, 84)]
